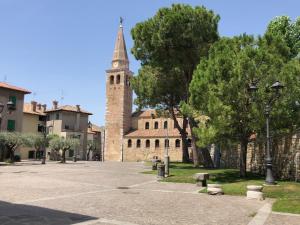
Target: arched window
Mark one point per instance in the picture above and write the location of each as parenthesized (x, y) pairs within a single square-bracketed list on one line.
[(138, 143), (118, 79), (111, 79), (147, 125), (147, 143), (166, 125), (189, 143), (177, 143), (156, 125), (167, 143), (129, 143), (157, 143)]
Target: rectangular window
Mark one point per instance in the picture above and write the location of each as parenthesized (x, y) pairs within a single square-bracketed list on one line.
[(13, 99), (40, 128), (11, 125), (42, 118), (57, 116)]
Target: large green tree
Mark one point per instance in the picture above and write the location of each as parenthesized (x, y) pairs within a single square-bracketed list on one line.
[(170, 45), (220, 90), (288, 30)]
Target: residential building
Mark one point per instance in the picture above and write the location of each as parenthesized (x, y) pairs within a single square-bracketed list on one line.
[(12, 121), (34, 122), (134, 136), (69, 122)]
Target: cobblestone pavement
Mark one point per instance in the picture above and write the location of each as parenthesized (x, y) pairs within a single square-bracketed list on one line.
[(94, 193)]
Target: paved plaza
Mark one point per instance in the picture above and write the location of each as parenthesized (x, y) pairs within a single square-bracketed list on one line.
[(95, 193)]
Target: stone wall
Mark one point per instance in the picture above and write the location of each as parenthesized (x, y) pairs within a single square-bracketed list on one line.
[(285, 152)]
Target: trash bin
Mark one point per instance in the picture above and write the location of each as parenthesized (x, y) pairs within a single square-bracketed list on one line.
[(161, 170), (154, 165)]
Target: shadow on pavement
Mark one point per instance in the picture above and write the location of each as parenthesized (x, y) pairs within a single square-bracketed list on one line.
[(17, 214)]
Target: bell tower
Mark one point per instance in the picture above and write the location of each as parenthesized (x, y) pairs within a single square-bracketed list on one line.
[(118, 100)]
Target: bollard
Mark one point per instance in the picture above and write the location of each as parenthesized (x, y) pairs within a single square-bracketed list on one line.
[(201, 179), (255, 192), (215, 189)]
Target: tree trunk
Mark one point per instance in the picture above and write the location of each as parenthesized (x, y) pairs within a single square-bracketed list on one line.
[(183, 134), (243, 157), (185, 149), (88, 155), (196, 158), (12, 155), (63, 160), (207, 160)]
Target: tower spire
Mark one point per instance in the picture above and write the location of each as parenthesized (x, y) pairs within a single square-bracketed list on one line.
[(120, 57)]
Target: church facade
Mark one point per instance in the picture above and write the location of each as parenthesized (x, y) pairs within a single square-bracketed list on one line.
[(135, 136)]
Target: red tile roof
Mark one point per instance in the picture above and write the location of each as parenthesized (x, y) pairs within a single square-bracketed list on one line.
[(28, 109), (68, 108), (11, 87)]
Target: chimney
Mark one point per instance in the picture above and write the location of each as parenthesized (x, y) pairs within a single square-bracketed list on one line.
[(78, 108), (44, 107), (33, 106), (55, 104), (39, 106)]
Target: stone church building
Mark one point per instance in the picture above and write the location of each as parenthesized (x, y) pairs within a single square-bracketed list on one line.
[(134, 136)]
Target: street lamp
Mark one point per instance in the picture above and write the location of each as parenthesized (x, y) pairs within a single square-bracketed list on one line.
[(167, 157), (276, 87), (45, 132)]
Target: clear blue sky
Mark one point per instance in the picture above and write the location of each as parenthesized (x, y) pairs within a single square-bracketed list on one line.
[(64, 46)]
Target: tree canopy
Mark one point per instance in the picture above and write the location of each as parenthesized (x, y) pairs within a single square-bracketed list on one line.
[(169, 46), (288, 30), (220, 89)]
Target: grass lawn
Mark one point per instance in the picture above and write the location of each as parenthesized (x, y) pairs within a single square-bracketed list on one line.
[(287, 194)]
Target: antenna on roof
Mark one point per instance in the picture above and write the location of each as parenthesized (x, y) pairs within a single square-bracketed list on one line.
[(62, 98), (5, 78)]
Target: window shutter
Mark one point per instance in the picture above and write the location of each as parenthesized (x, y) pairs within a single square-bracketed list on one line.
[(11, 125), (13, 99)]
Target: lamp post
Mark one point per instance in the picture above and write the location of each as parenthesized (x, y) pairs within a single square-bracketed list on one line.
[(167, 157), (44, 145), (275, 89), (45, 131), (78, 136)]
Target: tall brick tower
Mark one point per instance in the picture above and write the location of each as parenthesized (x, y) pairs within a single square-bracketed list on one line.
[(118, 100)]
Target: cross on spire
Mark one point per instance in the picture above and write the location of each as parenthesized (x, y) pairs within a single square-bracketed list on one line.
[(121, 21), (120, 57)]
